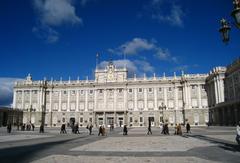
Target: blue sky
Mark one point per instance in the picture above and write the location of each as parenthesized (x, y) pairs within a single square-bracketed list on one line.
[(60, 38)]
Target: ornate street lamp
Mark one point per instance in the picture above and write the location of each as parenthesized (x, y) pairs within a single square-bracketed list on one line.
[(224, 30), (236, 12), (44, 88)]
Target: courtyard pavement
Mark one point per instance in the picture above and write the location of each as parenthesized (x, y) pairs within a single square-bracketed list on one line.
[(213, 144)]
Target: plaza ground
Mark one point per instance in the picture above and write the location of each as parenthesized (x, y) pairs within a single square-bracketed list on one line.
[(213, 144)]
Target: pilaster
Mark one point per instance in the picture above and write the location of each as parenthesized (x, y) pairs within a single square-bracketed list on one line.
[(86, 100), (145, 99), (199, 96), (60, 101), (135, 100), (68, 100), (155, 99)]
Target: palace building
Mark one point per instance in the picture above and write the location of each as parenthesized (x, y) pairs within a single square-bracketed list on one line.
[(113, 98)]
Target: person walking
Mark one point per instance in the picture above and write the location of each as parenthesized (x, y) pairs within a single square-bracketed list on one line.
[(100, 131), (9, 128), (63, 129), (90, 129), (188, 127), (76, 129), (238, 133), (179, 129), (125, 130), (41, 129), (149, 129), (33, 127)]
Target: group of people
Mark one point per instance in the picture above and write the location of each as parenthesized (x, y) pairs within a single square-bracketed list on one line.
[(102, 131), (165, 129)]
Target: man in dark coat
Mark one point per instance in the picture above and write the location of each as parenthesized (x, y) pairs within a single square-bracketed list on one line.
[(9, 127), (125, 130), (188, 128)]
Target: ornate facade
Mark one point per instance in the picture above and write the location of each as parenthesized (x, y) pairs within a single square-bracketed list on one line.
[(223, 88), (113, 98)]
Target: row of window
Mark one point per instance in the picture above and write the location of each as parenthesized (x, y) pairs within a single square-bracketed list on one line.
[(120, 90)]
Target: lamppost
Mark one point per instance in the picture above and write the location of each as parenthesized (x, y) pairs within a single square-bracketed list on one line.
[(225, 27), (44, 87), (161, 109), (183, 111), (30, 109)]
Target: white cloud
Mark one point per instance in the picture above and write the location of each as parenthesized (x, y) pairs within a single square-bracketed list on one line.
[(144, 66), (167, 11), (54, 13), (134, 67), (133, 47), (138, 45), (6, 90), (47, 33), (175, 17)]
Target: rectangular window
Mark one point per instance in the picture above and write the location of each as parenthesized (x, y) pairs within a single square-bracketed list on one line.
[(150, 90), (64, 92), (141, 119), (82, 92), (170, 89), (140, 90), (100, 91), (160, 89), (179, 89), (131, 119), (120, 90), (91, 91), (73, 92), (90, 119), (81, 120), (130, 90)]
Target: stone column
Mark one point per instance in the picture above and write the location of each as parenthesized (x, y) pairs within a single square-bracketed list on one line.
[(222, 89), (22, 99), (77, 103), (68, 100), (165, 96), (104, 99), (145, 99), (14, 99), (50, 94), (175, 97), (41, 99), (184, 98), (199, 96), (115, 99), (60, 101), (155, 99), (135, 100), (95, 100), (216, 91), (125, 99), (189, 96), (86, 100), (30, 94)]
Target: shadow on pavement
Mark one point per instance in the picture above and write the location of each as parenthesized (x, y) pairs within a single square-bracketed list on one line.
[(223, 144), (26, 153)]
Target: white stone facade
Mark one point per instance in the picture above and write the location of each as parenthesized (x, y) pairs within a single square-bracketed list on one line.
[(113, 98), (223, 89)]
